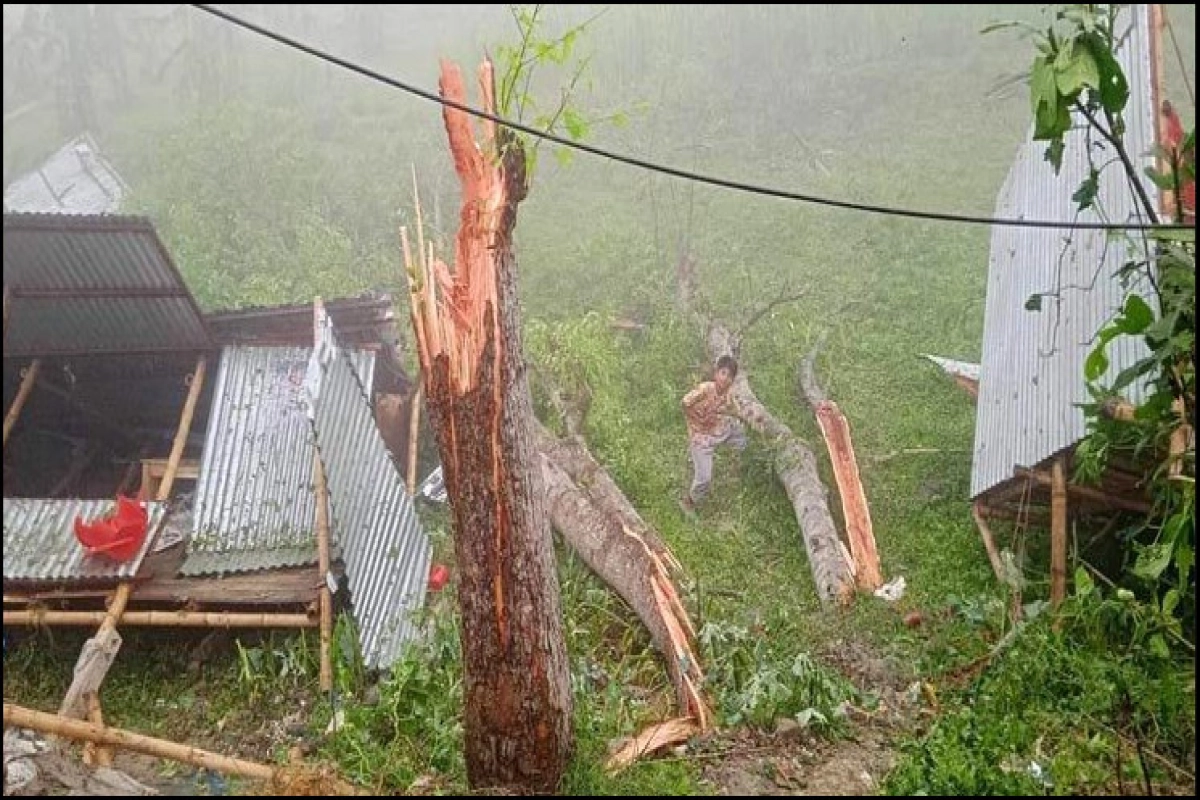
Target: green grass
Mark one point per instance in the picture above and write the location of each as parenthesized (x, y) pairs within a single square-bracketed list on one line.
[(895, 124)]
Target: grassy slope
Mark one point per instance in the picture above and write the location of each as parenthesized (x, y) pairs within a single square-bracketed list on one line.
[(600, 238)]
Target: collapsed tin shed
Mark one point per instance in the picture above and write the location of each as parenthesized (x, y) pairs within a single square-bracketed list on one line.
[(117, 383)]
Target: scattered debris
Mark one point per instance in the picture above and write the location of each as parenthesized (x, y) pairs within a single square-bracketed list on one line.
[(965, 374), (893, 590), (433, 488), (66, 727), (653, 739), (33, 766)]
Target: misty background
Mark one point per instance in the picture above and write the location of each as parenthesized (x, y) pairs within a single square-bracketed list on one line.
[(274, 177)]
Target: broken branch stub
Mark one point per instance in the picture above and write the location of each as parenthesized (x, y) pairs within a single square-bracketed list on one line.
[(517, 712)]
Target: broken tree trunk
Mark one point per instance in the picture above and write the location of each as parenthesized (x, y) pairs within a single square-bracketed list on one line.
[(795, 464), (836, 432), (595, 518), (517, 714)]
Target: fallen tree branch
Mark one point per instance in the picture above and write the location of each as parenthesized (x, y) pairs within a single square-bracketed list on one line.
[(836, 431), (784, 297), (795, 464), (57, 725), (628, 564)]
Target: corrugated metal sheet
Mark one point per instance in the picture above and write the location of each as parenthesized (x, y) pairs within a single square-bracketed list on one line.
[(75, 180), (254, 499), (40, 544), (385, 550), (1032, 369), (94, 284)]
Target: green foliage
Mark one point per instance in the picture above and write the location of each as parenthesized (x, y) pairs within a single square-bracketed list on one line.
[(413, 725), (1075, 71), (517, 98), (753, 687), (275, 664), (1051, 713)]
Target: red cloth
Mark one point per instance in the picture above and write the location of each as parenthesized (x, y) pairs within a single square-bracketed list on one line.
[(120, 535)]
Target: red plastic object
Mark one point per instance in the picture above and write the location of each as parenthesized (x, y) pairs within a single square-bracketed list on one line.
[(118, 536), (438, 577)]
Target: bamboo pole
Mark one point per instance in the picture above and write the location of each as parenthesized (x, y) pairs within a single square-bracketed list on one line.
[(414, 428), (321, 488), (56, 725), (163, 619), (989, 542), (14, 411), (181, 434), (92, 756), (326, 596), (109, 624), (1058, 535)]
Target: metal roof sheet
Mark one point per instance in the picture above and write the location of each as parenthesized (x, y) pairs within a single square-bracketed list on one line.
[(82, 285), (40, 544), (384, 548), (1032, 368)]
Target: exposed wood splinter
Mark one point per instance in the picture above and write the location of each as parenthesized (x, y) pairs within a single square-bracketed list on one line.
[(836, 431)]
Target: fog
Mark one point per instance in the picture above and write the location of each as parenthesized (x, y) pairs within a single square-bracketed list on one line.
[(274, 176)]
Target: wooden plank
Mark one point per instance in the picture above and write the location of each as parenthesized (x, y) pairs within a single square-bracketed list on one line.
[(188, 469), (270, 588), (28, 379)]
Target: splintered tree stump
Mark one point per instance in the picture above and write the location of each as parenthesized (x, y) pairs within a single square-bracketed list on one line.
[(517, 713)]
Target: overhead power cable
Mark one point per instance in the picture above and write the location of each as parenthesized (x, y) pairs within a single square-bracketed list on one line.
[(633, 161)]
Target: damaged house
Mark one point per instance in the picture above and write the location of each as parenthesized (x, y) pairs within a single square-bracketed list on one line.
[(251, 436)]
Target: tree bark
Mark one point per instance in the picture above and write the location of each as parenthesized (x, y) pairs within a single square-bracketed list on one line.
[(517, 713), (795, 464)]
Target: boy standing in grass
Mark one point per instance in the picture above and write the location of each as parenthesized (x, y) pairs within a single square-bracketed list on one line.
[(710, 423)]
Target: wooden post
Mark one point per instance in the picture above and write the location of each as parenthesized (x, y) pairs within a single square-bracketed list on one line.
[(414, 428), (27, 382), (321, 488), (326, 596), (92, 756), (1058, 535)]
